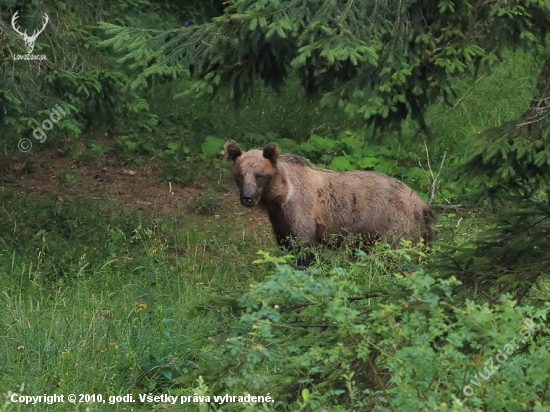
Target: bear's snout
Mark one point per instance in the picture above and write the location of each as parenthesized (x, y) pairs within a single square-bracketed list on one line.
[(250, 193), (247, 201)]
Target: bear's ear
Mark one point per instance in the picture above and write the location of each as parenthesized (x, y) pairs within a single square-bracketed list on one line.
[(231, 150), (271, 152)]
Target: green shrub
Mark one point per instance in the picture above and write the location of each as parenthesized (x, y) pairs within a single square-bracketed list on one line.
[(318, 341)]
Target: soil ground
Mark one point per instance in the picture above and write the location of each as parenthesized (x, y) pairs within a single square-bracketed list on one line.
[(48, 175)]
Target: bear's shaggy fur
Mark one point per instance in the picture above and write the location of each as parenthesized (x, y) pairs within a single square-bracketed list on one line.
[(309, 204)]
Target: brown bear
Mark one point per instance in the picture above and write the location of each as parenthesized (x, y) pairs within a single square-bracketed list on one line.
[(310, 204)]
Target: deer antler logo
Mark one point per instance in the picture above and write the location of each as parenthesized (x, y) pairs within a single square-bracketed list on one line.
[(29, 40)]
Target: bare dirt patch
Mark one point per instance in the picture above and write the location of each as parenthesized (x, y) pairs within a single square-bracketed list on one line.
[(48, 175)]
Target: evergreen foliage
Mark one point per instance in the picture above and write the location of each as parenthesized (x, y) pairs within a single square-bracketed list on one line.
[(382, 61), (77, 74), (511, 170), (514, 159)]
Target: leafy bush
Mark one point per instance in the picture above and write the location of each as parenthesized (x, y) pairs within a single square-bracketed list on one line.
[(317, 341)]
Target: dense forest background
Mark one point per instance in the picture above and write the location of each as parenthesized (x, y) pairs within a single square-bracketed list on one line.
[(128, 267)]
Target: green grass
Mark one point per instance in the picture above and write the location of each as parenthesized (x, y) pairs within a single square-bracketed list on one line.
[(491, 100), (116, 303)]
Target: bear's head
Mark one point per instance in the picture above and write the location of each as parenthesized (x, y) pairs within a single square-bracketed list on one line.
[(253, 170)]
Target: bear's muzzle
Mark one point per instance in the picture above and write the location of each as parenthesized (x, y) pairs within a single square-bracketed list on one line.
[(247, 201)]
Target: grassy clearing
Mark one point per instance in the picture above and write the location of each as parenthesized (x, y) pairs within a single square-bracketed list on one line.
[(109, 302)]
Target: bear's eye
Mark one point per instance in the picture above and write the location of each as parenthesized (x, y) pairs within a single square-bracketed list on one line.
[(263, 178), (239, 179)]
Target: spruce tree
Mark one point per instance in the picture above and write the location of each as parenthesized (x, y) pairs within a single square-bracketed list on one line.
[(379, 60), (510, 173)]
